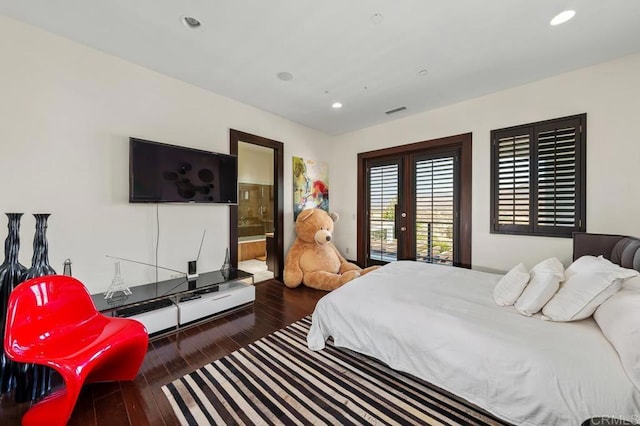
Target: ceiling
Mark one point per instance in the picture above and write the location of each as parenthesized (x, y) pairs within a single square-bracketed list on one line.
[(366, 54)]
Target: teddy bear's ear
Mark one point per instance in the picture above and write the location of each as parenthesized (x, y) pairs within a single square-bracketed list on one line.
[(334, 216), (305, 214)]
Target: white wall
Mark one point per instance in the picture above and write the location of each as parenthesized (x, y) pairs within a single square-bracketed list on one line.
[(66, 113), (255, 164), (610, 95)]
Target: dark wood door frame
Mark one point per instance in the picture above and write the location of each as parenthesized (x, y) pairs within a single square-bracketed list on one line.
[(462, 143), (236, 136)]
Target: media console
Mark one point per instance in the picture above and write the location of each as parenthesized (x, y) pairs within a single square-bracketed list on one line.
[(169, 305)]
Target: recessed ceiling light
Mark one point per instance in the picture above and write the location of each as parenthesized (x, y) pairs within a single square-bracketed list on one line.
[(336, 105), (562, 17), (285, 76), (191, 22), (376, 19), (422, 73)]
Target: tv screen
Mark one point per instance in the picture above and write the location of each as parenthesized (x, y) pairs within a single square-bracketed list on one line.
[(161, 173)]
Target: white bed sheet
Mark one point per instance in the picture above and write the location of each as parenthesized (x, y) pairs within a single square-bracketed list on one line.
[(441, 324)]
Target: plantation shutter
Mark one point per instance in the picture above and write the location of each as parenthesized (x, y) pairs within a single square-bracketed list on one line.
[(557, 177), (538, 178), (513, 151), (383, 199), (435, 209)]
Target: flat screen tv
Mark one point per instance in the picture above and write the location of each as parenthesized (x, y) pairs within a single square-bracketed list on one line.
[(161, 173)]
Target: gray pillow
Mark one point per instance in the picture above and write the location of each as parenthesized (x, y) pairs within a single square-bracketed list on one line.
[(626, 253)]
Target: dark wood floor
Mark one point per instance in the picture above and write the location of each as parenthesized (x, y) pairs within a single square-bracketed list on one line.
[(142, 402)]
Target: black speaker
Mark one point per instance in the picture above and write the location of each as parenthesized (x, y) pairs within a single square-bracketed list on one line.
[(192, 268)]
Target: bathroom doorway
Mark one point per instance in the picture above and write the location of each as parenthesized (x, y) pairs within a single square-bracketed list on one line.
[(256, 221)]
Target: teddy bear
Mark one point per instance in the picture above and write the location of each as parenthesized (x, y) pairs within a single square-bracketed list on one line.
[(313, 260)]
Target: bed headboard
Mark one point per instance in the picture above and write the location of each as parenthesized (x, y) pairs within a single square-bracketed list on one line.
[(620, 249)]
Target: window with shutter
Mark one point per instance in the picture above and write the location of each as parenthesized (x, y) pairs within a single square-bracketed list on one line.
[(538, 178)]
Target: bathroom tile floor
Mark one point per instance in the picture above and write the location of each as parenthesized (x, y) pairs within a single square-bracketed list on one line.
[(257, 268)]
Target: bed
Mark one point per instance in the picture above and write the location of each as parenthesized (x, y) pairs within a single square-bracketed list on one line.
[(441, 324)]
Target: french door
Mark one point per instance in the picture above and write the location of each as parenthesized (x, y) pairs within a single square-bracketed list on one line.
[(414, 204), (384, 183), (435, 202)]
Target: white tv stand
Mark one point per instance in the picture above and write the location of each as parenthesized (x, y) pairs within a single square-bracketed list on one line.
[(167, 306)]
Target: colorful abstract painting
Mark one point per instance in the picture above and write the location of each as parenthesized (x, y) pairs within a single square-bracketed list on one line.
[(310, 185)]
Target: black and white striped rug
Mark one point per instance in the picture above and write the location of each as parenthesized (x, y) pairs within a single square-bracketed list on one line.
[(277, 380)]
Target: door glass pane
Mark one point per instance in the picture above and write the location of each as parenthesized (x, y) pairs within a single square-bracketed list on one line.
[(435, 210), (383, 198)]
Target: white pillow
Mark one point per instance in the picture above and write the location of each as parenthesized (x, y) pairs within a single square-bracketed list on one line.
[(619, 320), (545, 280), (510, 287), (589, 282), (580, 295), (598, 264)]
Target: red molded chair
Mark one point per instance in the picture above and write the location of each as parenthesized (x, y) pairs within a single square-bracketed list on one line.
[(52, 321)]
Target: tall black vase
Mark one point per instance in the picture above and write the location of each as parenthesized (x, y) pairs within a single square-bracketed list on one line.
[(33, 381), (10, 272), (40, 260)]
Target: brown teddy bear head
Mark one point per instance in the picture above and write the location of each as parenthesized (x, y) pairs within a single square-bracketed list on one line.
[(315, 225)]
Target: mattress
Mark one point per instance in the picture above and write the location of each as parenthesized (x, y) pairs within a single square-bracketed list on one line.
[(441, 324)]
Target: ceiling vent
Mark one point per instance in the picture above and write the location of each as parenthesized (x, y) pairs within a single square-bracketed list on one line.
[(393, 111)]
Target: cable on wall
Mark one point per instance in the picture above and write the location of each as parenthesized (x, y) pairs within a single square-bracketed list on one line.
[(157, 240)]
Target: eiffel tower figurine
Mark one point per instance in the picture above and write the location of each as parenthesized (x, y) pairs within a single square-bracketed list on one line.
[(117, 285)]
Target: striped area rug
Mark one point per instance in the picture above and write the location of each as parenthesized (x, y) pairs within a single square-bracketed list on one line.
[(277, 380)]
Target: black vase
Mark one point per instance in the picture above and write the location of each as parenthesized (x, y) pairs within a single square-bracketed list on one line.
[(10, 272), (33, 381), (40, 261)]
